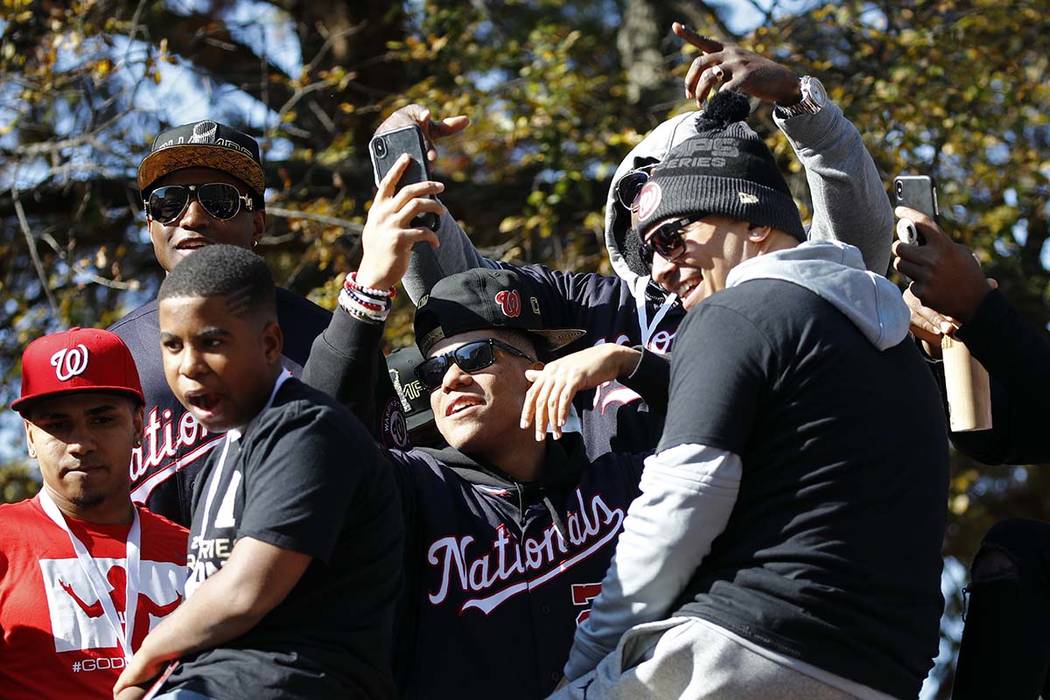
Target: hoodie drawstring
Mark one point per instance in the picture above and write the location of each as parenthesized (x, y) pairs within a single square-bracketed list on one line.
[(559, 524)]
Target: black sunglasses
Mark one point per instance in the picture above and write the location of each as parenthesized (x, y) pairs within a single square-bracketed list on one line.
[(220, 200), (628, 186), (470, 357), (667, 239)]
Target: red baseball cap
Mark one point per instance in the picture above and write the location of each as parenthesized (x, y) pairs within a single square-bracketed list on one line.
[(80, 359)]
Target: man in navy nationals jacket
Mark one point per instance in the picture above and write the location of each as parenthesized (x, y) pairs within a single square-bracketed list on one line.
[(507, 537)]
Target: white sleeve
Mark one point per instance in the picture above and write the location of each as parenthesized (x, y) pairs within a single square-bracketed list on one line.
[(688, 493)]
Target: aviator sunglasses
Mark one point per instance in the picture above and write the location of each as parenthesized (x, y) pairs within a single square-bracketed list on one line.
[(470, 357), (220, 200), (628, 186), (667, 239)]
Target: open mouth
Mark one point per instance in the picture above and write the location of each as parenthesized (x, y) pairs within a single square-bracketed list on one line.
[(202, 401), (461, 404)]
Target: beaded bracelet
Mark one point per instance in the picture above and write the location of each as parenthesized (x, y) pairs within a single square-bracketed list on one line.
[(367, 311), (352, 285)]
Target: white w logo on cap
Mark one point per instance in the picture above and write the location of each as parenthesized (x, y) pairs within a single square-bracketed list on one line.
[(69, 362)]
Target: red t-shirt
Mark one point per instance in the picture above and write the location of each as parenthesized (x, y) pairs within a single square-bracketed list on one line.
[(55, 640)]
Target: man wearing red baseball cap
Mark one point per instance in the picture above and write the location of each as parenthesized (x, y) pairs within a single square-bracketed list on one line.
[(84, 574)]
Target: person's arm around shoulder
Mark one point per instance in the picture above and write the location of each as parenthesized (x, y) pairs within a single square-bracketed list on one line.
[(457, 253), (549, 399), (849, 201)]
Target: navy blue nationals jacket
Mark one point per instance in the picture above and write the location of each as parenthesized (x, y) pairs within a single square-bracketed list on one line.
[(499, 573)]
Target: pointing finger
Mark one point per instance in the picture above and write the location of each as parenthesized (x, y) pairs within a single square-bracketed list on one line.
[(703, 43)]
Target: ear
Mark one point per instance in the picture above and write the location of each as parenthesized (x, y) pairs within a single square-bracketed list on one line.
[(758, 234), (137, 423), (258, 225), (30, 448), (273, 342)]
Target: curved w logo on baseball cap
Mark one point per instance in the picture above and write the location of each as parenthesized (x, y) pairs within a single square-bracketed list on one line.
[(509, 302), (70, 362), (80, 359)]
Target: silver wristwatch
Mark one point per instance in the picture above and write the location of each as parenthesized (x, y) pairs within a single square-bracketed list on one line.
[(814, 97)]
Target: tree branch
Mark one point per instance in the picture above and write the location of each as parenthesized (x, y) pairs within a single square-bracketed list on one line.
[(33, 254)]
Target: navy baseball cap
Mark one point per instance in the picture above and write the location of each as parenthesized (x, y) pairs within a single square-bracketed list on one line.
[(480, 299), (204, 144)]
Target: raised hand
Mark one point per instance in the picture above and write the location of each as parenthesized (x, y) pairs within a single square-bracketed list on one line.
[(548, 400), (733, 68), (420, 116), (946, 277), (389, 235)]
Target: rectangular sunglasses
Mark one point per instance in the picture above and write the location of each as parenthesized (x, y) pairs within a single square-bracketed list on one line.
[(220, 200), (470, 357)]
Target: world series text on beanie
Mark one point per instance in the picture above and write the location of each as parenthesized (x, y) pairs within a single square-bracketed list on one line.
[(80, 359), (725, 169)]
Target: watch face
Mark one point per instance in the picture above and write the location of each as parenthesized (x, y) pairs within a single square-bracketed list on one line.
[(817, 94)]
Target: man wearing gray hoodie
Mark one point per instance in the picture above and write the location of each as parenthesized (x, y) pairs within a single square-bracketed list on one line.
[(849, 204), (787, 540)]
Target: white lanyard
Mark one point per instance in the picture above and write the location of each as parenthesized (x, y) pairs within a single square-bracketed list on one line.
[(125, 632), (643, 313), (232, 435)]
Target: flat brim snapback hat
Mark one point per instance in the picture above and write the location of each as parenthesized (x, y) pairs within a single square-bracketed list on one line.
[(77, 360), (726, 169), (204, 144), (481, 299)]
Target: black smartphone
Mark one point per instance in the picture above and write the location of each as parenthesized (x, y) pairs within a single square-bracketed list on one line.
[(918, 192), (387, 147)]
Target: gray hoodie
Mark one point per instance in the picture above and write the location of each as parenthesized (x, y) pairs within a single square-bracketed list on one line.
[(835, 272)]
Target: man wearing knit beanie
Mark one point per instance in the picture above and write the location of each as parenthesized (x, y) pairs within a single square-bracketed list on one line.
[(787, 540)]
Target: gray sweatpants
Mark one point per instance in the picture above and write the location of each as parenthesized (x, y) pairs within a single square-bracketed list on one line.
[(683, 657)]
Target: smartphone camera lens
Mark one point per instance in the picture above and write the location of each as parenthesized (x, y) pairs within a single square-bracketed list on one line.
[(900, 190), (379, 148)]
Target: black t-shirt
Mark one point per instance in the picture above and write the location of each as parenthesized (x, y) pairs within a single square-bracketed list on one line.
[(832, 554), (175, 446), (288, 481)]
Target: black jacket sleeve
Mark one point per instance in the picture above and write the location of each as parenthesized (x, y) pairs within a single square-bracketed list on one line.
[(1017, 357), (651, 378), (346, 363)]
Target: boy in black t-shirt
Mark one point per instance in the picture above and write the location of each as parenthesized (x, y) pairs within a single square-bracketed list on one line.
[(787, 540), (295, 551)]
